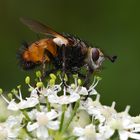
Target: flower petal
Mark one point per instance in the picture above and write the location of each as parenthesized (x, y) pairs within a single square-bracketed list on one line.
[(31, 127), (13, 106), (53, 98), (83, 91), (54, 125), (74, 98), (30, 102), (78, 131), (51, 115), (34, 93), (123, 135), (106, 131), (93, 92), (134, 136), (42, 132)]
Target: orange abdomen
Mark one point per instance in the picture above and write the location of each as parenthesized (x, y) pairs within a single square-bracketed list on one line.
[(36, 51)]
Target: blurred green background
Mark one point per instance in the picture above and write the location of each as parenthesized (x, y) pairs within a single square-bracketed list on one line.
[(113, 25)]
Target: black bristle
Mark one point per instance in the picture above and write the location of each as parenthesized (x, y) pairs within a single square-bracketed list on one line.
[(114, 58)]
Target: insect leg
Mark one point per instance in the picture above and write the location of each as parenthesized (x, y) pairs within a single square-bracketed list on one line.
[(81, 75), (63, 63), (50, 71), (43, 69), (87, 79), (48, 54)]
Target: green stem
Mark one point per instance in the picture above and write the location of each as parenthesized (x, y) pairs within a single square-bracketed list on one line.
[(71, 138), (62, 117), (26, 115), (28, 133), (38, 107), (48, 104), (71, 117)]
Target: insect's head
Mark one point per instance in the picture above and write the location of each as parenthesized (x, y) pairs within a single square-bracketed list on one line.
[(97, 57)]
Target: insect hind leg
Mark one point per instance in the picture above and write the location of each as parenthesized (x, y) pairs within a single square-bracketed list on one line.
[(48, 54)]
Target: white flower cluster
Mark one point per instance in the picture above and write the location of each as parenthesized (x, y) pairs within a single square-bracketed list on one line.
[(58, 112)]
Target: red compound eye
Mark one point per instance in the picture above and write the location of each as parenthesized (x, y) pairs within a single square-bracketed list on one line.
[(95, 54)]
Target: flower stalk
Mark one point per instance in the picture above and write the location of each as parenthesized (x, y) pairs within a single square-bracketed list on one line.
[(64, 107), (71, 117), (48, 104)]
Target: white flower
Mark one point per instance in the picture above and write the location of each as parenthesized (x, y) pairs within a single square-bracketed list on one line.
[(90, 104), (34, 93), (81, 90), (81, 119), (28, 103), (64, 99), (122, 127), (50, 90), (32, 114), (44, 121), (3, 132), (23, 104), (94, 108), (91, 90), (122, 122), (4, 113), (108, 112), (54, 112), (136, 119), (87, 133), (12, 105), (13, 126)]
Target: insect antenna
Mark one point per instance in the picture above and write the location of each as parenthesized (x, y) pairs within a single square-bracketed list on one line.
[(111, 58)]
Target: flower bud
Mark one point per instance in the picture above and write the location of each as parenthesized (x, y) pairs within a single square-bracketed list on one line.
[(1, 91), (79, 82), (73, 86), (75, 75), (39, 84), (53, 76), (14, 91), (27, 80), (19, 86), (38, 74), (98, 78), (66, 78), (52, 82), (10, 95)]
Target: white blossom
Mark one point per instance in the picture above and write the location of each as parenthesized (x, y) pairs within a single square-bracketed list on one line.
[(87, 133), (122, 122), (50, 90), (60, 111), (44, 121), (12, 127), (64, 99)]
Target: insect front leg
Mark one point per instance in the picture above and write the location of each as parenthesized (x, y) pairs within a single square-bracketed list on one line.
[(87, 79)]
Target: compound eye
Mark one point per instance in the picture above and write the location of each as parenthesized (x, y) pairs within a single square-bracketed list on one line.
[(95, 54)]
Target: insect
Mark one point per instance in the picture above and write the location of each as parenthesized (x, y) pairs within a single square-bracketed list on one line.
[(64, 51)]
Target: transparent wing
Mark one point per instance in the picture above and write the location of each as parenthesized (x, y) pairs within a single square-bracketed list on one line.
[(38, 27)]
